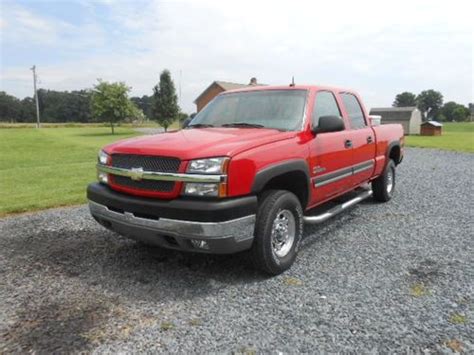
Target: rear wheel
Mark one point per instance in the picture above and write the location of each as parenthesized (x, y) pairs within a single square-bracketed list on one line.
[(384, 186), (278, 231)]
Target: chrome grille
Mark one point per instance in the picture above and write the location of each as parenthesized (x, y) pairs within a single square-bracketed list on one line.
[(148, 185), (147, 163)]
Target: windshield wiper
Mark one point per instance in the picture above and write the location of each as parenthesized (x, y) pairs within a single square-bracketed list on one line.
[(200, 125), (243, 124)]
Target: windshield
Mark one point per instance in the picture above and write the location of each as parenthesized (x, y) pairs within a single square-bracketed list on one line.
[(279, 109)]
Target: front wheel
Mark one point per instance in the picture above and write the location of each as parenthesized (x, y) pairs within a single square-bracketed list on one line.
[(384, 186), (278, 231)]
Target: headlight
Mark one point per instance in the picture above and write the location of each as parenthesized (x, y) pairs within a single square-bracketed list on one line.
[(103, 157), (211, 166), (208, 166)]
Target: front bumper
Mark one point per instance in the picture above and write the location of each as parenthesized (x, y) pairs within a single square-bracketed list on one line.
[(220, 227)]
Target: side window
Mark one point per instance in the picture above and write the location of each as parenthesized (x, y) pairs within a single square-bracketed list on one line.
[(354, 111), (325, 105)]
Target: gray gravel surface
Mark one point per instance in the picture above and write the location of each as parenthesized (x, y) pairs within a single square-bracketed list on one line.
[(380, 278)]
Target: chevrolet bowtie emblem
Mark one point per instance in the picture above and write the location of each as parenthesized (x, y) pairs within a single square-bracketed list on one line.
[(136, 174)]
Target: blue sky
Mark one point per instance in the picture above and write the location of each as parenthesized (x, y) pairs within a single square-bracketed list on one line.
[(378, 48)]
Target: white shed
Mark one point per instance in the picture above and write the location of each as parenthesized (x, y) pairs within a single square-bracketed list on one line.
[(408, 117)]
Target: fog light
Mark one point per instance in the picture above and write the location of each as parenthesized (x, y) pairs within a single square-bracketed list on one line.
[(200, 244), (200, 189), (103, 178)]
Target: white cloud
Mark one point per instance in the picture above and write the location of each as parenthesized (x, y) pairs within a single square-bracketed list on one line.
[(24, 28), (378, 48)]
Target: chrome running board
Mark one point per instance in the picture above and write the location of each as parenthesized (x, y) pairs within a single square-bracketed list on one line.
[(323, 217)]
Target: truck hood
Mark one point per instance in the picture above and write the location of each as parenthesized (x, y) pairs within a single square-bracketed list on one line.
[(195, 143)]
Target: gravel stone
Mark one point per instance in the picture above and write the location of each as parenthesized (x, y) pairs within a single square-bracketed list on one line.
[(393, 277)]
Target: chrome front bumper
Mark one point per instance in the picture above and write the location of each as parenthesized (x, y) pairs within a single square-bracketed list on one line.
[(213, 237)]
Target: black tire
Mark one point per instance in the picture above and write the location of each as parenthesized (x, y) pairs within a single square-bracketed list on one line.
[(381, 186), (273, 205)]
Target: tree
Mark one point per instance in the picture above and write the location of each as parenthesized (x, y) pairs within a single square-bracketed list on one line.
[(460, 113), (182, 116), (145, 104), (453, 111), (429, 102), (405, 99), (28, 110), (165, 107), (64, 106), (110, 102), (137, 115), (10, 107)]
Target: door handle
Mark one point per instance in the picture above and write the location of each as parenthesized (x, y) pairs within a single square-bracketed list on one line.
[(369, 139), (348, 143)]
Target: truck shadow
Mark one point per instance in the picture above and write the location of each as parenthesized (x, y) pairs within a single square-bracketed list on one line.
[(96, 257), (99, 258)]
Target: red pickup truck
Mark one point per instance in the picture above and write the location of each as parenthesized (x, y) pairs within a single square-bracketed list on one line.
[(248, 172)]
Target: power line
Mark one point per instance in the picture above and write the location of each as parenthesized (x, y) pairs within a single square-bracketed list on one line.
[(36, 97)]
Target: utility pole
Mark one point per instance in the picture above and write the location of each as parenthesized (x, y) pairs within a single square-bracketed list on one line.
[(179, 98), (36, 97)]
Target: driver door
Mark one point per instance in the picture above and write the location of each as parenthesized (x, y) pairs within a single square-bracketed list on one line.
[(330, 153)]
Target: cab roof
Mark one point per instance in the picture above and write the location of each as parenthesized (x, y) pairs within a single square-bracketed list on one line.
[(288, 87)]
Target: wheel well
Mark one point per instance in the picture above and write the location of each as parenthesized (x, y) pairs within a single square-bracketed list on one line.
[(295, 182), (395, 154)]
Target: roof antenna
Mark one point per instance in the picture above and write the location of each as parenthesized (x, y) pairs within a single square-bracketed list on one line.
[(292, 81)]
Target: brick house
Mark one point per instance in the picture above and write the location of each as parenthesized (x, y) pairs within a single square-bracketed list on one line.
[(216, 88)]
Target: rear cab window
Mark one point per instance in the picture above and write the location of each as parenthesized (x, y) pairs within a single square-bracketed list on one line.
[(354, 110)]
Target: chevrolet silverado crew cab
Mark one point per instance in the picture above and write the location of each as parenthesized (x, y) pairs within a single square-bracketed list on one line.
[(247, 173)]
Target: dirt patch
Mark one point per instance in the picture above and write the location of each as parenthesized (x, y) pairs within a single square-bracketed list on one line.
[(426, 271), (75, 323), (55, 326)]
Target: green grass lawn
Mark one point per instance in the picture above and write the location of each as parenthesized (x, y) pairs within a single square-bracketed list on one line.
[(456, 136), (49, 167)]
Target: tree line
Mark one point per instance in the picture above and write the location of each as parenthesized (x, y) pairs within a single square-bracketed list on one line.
[(110, 102), (430, 103), (105, 102)]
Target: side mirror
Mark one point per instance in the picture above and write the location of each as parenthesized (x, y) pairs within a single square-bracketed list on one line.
[(186, 122), (329, 124)]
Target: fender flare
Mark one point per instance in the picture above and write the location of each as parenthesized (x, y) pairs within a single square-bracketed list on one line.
[(265, 175), (392, 145)]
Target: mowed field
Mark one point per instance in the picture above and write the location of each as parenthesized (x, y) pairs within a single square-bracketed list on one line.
[(456, 136), (51, 167)]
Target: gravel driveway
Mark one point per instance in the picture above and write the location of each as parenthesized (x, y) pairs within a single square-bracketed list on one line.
[(382, 277)]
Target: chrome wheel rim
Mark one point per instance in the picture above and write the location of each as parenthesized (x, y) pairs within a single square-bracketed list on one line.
[(283, 233), (390, 180)]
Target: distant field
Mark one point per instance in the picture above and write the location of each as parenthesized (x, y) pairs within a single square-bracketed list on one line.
[(456, 136), (49, 167)]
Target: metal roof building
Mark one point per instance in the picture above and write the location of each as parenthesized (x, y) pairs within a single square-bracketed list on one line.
[(408, 117)]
